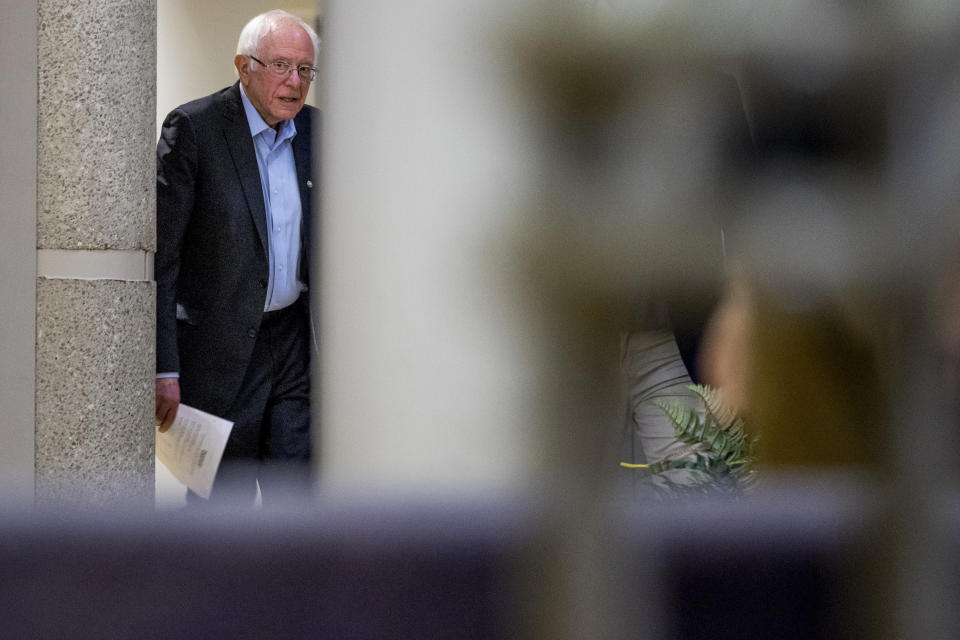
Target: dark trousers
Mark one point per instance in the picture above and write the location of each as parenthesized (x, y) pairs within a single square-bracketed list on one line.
[(270, 442)]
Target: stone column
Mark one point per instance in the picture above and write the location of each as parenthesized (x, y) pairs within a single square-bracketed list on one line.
[(95, 241)]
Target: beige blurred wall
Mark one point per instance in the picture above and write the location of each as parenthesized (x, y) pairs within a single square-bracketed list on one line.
[(18, 213), (429, 365)]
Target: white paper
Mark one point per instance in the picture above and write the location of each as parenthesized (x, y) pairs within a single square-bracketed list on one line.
[(192, 448)]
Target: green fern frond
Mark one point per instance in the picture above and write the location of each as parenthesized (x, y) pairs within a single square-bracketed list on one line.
[(688, 427), (704, 431), (685, 421), (722, 414), (723, 451)]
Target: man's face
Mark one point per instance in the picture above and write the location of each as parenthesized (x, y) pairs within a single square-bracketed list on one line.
[(276, 97)]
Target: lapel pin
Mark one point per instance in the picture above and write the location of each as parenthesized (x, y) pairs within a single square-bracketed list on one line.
[(309, 184)]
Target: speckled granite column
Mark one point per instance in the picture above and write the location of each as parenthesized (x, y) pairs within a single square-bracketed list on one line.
[(94, 390), (95, 211)]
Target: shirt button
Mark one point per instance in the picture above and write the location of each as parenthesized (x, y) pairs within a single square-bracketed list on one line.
[(252, 333), (280, 267)]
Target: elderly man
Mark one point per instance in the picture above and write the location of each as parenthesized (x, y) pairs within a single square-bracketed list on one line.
[(234, 188)]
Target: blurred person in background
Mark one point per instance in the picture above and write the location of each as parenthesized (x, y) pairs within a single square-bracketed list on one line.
[(662, 353)]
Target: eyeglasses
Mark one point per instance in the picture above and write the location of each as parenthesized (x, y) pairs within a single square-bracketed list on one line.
[(282, 69)]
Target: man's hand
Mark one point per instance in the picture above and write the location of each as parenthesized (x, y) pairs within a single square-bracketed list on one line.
[(168, 399)]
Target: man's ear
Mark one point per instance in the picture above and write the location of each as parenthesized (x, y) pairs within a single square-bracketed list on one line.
[(242, 63)]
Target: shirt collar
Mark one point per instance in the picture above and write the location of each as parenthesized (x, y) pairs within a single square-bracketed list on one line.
[(258, 126)]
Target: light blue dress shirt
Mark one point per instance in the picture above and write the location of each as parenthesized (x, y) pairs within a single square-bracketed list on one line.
[(281, 197)]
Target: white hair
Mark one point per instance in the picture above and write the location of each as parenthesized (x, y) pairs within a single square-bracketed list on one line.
[(264, 23)]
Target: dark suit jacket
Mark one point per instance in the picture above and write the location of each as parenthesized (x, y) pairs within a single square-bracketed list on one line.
[(211, 265)]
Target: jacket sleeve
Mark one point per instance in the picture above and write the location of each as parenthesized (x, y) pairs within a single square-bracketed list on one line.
[(176, 182)]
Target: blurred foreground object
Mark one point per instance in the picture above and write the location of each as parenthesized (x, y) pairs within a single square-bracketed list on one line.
[(832, 227), (484, 329), (781, 566)]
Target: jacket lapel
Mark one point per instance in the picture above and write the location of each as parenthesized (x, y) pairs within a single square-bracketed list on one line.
[(303, 158), (244, 156)]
